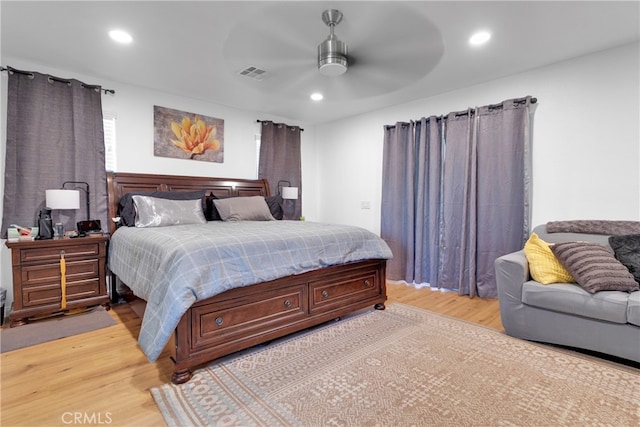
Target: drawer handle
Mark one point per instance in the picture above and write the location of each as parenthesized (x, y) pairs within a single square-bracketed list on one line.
[(287, 303), (325, 294), (367, 283), (219, 321)]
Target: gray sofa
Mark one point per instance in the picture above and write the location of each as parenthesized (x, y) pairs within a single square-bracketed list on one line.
[(563, 313)]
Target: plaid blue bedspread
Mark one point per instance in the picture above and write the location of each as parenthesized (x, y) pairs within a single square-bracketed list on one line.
[(172, 267)]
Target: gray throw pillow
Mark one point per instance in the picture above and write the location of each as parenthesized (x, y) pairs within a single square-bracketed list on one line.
[(627, 251), (594, 267), (253, 208), (274, 203), (156, 212)]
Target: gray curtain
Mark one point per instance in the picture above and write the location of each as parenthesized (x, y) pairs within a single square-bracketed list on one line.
[(54, 134), (280, 160), (456, 195), (411, 198)]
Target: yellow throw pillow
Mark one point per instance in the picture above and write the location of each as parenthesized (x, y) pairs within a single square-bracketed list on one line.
[(543, 264)]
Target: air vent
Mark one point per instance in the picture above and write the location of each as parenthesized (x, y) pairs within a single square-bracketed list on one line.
[(253, 73)]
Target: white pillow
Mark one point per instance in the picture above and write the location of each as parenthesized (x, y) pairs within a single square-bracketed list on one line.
[(253, 208), (156, 212)]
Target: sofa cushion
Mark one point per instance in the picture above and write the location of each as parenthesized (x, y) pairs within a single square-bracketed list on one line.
[(594, 267), (570, 298), (633, 308), (544, 267), (627, 251)]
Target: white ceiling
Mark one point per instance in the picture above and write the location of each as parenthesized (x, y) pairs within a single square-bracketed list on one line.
[(402, 50)]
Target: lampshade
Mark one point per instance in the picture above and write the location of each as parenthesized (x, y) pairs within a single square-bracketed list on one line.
[(290, 193), (63, 199)]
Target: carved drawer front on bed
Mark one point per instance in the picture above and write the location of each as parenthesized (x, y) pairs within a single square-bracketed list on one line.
[(338, 291), (221, 323)]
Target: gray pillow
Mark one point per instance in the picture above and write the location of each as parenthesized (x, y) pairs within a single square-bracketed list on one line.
[(156, 212), (594, 267), (627, 251), (253, 208)]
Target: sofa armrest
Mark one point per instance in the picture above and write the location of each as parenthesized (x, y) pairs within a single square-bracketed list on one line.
[(512, 270)]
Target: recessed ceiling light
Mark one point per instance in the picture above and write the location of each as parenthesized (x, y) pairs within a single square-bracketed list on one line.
[(317, 96), (120, 36), (479, 38)]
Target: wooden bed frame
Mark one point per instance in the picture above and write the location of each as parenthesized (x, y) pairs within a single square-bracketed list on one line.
[(244, 317)]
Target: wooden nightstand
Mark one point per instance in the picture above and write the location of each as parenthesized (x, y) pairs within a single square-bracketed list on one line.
[(37, 280)]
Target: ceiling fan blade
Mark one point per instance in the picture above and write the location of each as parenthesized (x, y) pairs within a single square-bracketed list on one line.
[(281, 37), (390, 47)]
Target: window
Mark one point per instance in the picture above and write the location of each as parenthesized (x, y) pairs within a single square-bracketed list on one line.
[(109, 124)]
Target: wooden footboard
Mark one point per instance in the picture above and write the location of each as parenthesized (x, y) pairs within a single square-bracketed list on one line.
[(245, 317)]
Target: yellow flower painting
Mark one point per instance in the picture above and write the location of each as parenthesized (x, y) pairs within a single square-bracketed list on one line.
[(184, 135)]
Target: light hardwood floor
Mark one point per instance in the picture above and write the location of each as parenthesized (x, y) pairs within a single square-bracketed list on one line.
[(103, 378)]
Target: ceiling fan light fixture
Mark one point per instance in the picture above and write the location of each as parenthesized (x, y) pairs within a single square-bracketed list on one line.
[(332, 57), (332, 53)]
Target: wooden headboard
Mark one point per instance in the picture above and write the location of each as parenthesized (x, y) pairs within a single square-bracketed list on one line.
[(119, 184)]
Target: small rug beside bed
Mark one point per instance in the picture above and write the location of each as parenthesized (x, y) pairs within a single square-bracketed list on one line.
[(54, 328), (403, 366)]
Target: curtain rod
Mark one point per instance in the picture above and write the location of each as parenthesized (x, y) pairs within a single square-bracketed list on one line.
[(261, 121), (58, 79), (464, 113)]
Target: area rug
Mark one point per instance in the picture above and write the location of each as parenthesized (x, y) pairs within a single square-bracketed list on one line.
[(404, 367), (53, 328)]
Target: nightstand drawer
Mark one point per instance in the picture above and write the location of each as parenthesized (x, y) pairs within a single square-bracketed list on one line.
[(50, 273), (40, 255), (33, 296)]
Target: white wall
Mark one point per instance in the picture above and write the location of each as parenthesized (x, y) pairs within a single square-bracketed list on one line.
[(586, 147)]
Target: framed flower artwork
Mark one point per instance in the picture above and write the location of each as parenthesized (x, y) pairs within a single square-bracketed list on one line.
[(183, 135)]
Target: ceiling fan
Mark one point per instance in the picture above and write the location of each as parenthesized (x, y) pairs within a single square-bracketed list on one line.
[(390, 47), (332, 53)]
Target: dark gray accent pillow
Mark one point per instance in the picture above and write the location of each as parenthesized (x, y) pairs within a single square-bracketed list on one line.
[(594, 267), (275, 206), (210, 212), (127, 210), (627, 251)]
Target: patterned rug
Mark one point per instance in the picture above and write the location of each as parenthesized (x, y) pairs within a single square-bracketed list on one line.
[(404, 367)]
